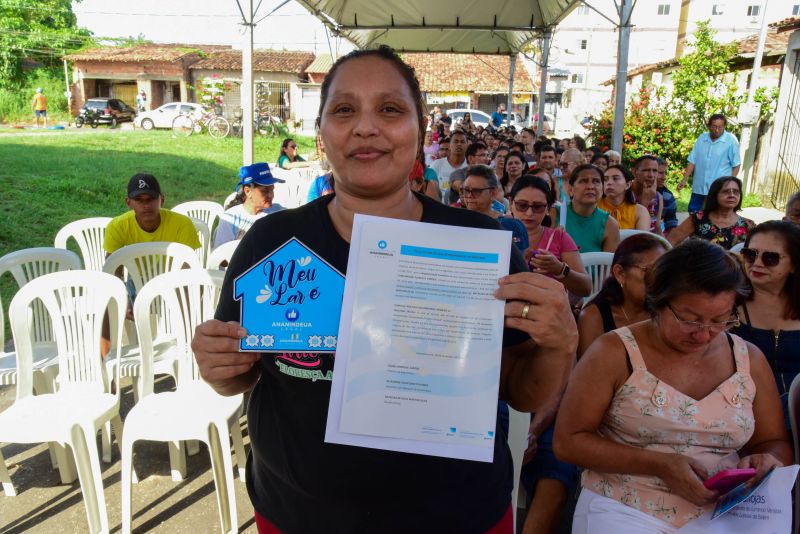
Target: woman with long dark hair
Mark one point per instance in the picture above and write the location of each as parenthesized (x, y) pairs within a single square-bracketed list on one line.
[(288, 157), (770, 318)]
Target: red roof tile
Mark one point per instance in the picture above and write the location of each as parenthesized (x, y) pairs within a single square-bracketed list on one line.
[(477, 73), (263, 61), (143, 53), (785, 25)]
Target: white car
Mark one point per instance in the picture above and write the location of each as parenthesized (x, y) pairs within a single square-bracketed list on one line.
[(479, 118), (163, 116)]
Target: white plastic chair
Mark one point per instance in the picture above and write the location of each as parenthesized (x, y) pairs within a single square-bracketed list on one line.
[(794, 414), (77, 302), (221, 254), (89, 235), (204, 210), (204, 235), (629, 232), (193, 411), (598, 265), (24, 266), (518, 424), (142, 262), (229, 199), (737, 248)]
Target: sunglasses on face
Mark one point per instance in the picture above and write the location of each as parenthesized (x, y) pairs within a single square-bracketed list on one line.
[(293, 147), (768, 258), (522, 207)]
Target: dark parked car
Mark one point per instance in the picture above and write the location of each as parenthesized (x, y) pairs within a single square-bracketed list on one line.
[(112, 110)]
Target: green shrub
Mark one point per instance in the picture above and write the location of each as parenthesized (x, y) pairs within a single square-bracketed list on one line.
[(16, 102)]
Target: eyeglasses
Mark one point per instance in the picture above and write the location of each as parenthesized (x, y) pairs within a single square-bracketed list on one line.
[(474, 191), (522, 207), (293, 147), (768, 258), (731, 191), (690, 327), (644, 268)]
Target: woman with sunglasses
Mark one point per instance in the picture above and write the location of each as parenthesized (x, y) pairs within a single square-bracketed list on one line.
[(653, 408), (253, 201), (770, 318), (289, 158), (478, 193), (719, 221), (553, 252)]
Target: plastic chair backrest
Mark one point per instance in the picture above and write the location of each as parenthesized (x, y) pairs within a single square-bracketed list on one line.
[(222, 253), (737, 248), (794, 422), (204, 235), (229, 199), (189, 298), (204, 210), (89, 235), (518, 423), (629, 232), (598, 265), (144, 261), (76, 303), (26, 265)]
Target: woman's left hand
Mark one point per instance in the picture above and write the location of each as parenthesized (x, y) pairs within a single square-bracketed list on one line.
[(762, 463), (544, 262)]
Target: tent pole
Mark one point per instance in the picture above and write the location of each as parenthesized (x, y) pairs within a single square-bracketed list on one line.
[(512, 66), (548, 35), (247, 87), (622, 74)]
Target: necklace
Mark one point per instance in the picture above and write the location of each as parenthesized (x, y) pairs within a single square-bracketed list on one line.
[(627, 319)]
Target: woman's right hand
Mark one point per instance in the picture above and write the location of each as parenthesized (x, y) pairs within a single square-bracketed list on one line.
[(222, 366), (685, 477)]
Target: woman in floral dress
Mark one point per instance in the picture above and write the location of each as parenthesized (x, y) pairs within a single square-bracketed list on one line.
[(654, 408), (719, 221)]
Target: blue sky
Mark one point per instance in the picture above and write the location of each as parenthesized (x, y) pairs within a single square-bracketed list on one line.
[(206, 22)]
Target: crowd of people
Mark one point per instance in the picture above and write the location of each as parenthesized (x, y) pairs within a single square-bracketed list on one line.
[(683, 357)]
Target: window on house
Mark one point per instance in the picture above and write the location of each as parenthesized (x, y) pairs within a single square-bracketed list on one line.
[(796, 10), (718, 9), (663, 9), (754, 10), (583, 44), (577, 78)]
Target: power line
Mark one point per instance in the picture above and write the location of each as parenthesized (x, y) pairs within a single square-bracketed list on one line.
[(132, 14)]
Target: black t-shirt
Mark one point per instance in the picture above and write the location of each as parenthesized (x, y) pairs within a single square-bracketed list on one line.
[(303, 485)]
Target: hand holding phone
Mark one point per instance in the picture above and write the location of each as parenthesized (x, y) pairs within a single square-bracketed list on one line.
[(726, 480)]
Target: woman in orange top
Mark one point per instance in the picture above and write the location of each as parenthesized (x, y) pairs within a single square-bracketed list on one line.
[(618, 200)]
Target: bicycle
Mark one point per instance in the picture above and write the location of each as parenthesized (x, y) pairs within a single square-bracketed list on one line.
[(265, 124), (217, 126)]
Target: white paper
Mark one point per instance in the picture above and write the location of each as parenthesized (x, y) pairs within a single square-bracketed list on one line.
[(417, 367)]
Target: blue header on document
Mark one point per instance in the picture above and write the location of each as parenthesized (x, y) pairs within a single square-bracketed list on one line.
[(451, 255)]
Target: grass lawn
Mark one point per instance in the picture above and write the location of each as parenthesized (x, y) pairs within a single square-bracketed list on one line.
[(50, 180)]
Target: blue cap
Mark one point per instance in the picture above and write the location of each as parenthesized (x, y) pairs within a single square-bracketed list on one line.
[(257, 174)]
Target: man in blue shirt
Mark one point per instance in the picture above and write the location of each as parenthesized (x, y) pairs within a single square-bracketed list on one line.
[(715, 154), (497, 116)]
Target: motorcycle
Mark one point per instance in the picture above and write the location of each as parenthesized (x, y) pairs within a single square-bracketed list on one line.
[(88, 116)]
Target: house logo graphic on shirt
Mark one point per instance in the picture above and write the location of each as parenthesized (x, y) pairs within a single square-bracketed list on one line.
[(290, 302)]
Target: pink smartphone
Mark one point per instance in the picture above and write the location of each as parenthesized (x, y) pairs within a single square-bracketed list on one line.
[(726, 480)]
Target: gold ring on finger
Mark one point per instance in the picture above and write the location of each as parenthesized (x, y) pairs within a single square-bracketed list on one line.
[(525, 310)]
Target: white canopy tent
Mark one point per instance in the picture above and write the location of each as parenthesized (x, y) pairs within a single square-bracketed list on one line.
[(461, 26)]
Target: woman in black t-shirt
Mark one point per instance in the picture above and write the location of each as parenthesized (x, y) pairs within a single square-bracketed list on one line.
[(372, 122)]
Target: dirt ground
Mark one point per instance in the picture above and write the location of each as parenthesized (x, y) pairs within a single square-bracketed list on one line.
[(43, 504)]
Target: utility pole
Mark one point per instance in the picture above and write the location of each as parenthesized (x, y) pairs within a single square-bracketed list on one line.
[(750, 112), (625, 11), (247, 85), (546, 41)]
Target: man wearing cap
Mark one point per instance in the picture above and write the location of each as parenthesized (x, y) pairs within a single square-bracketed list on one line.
[(253, 201), (148, 221)]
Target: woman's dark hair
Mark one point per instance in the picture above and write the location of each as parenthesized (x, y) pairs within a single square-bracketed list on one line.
[(630, 198), (518, 146), (712, 202), (627, 255), (284, 144), (241, 196), (696, 266), (513, 154), (387, 53), (586, 166), (598, 157), (790, 234), (528, 180), (580, 142)]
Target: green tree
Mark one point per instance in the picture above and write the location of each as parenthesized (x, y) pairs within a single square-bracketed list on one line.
[(39, 31)]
